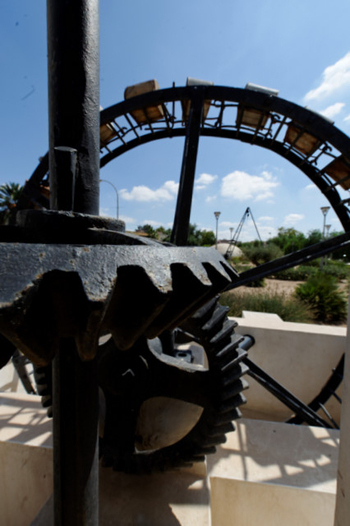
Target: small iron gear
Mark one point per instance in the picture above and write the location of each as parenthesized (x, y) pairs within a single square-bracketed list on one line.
[(159, 374)]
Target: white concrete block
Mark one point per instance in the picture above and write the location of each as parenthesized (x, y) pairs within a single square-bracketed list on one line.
[(241, 503)]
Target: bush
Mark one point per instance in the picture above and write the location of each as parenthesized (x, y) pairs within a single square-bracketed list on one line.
[(338, 269), (240, 267), (262, 253), (301, 273), (321, 293), (288, 308)]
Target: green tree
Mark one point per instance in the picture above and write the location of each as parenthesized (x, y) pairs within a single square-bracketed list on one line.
[(199, 238), (163, 234), (146, 229), (288, 239), (9, 196), (313, 237), (207, 238)]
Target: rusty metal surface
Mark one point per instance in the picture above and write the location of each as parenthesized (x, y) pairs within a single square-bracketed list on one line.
[(54, 291)]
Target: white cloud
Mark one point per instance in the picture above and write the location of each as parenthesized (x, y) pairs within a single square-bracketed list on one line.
[(228, 224), (151, 222), (311, 186), (333, 110), (204, 180), (334, 78), (265, 218), (167, 192), (291, 219), (242, 186), (104, 212), (210, 198), (128, 219), (347, 118)]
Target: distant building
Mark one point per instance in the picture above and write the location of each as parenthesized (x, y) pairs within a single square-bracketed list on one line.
[(222, 248)]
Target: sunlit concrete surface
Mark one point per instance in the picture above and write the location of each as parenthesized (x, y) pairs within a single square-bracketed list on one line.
[(264, 453), (251, 503), (299, 356), (265, 469)]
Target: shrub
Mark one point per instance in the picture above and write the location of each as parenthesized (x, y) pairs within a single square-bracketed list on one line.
[(288, 308), (338, 269), (322, 294), (300, 273), (262, 253)]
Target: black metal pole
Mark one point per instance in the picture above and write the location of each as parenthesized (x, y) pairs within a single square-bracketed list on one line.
[(179, 233), (73, 80), (73, 77), (75, 433)]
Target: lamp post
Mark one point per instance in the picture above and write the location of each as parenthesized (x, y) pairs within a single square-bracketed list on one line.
[(217, 215), (116, 193), (327, 227), (324, 210)]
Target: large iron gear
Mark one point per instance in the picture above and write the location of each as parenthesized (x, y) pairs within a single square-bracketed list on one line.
[(162, 408)]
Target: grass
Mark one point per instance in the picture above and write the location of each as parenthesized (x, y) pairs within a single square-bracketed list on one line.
[(288, 308)]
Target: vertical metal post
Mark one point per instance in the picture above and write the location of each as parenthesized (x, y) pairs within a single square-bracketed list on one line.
[(179, 233), (217, 215), (75, 433), (73, 81), (73, 74)]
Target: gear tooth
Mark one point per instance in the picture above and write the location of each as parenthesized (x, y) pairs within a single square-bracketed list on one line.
[(188, 291), (218, 317), (232, 347), (220, 273), (235, 370), (233, 403), (210, 450), (46, 401), (184, 464), (226, 417), (221, 429), (43, 380), (226, 331), (130, 313), (229, 383), (205, 312), (215, 440), (198, 458), (232, 368), (233, 389)]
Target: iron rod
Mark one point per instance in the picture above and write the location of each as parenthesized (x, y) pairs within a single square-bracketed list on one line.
[(179, 233), (75, 432), (74, 119), (73, 82)]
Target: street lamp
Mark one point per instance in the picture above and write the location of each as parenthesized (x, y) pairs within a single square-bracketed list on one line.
[(324, 210), (327, 227), (217, 215), (116, 193)]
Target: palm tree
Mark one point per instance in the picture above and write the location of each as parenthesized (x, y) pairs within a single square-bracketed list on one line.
[(9, 196)]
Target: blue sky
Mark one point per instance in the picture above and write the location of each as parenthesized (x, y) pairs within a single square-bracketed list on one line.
[(300, 48)]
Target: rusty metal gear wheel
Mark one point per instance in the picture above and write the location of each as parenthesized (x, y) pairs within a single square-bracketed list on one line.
[(144, 390), (165, 405)]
